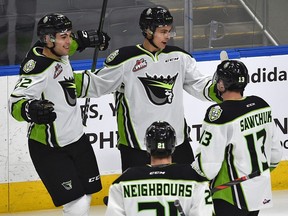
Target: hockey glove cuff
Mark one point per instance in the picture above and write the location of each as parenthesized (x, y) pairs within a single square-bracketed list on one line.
[(40, 111)]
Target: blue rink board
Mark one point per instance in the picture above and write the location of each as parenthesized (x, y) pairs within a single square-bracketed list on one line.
[(199, 56)]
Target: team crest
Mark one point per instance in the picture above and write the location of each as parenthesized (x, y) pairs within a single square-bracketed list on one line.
[(159, 89), (215, 113), (140, 64), (112, 56), (29, 66), (58, 70)]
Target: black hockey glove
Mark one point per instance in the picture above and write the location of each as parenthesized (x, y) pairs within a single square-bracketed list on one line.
[(91, 38), (40, 111), (103, 40)]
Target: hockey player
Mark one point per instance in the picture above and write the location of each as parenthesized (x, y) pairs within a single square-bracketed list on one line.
[(238, 138), (46, 97), (152, 189), (149, 80)]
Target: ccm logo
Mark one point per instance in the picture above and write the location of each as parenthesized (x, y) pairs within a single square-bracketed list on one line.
[(84, 34), (93, 179)]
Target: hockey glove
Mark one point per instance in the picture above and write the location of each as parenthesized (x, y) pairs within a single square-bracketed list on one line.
[(40, 111), (103, 40), (91, 38)]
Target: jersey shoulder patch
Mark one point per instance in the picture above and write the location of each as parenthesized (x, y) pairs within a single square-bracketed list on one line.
[(29, 66), (214, 113), (223, 112), (122, 54), (232, 109), (35, 62)]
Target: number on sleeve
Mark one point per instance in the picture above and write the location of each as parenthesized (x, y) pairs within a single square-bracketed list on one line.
[(205, 138), (208, 197), (23, 82)]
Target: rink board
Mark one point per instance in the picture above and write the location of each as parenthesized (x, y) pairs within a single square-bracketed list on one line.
[(20, 188)]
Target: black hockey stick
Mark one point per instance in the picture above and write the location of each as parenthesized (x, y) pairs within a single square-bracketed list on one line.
[(100, 28), (179, 207), (235, 182), (95, 56)]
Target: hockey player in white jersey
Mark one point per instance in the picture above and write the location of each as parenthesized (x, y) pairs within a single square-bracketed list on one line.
[(152, 189), (238, 138), (150, 79), (46, 97)]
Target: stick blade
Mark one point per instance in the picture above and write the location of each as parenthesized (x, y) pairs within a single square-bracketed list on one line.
[(223, 56)]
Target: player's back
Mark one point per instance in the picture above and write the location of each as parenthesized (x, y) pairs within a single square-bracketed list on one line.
[(245, 128), (242, 140), (152, 190)]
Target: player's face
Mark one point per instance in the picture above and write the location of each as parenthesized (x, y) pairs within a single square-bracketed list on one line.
[(161, 36), (62, 43)]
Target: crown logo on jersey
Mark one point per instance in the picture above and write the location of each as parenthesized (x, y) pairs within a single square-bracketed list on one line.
[(140, 64), (159, 89), (215, 113)]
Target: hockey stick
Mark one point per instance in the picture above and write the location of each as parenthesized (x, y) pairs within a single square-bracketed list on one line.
[(223, 56), (235, 182), (95, 56), (100, 28), (179, 207)]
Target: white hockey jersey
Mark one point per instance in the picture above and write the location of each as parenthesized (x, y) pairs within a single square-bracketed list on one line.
[(45, 78), (151, 89), (152, 191), (238, 138)]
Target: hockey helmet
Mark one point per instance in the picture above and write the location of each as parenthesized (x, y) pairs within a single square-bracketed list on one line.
[(160, 139), (52, 24), (151, 18), (233, 73)]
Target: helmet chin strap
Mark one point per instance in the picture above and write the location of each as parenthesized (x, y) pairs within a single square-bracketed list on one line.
[(152, 43), (53, 51), (151, 39), (52, 40)]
